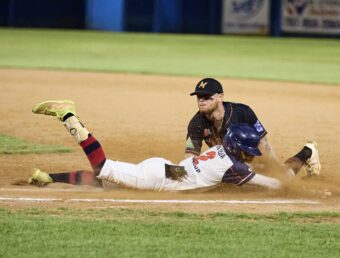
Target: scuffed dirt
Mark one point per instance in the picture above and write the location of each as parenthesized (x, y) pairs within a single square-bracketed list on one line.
[(139, 116)]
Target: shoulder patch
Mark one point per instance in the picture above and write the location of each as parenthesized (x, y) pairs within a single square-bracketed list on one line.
[(189, 144)]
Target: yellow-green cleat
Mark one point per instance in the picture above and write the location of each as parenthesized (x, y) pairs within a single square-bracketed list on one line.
[(58, 108), (40, 178)]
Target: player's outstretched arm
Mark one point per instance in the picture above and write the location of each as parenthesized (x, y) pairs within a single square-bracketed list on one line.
[(266, 182)]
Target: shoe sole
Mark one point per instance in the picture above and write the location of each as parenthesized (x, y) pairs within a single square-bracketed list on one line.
[(37, 109)]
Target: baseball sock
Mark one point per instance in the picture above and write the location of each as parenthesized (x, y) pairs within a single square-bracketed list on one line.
[(75, 127), (299, 159), (304, 154), (88, 142), (94, 153), (81, 177), (68, 115)]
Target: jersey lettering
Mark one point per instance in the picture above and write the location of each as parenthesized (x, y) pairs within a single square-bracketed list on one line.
[(197, 169), (207, 156)]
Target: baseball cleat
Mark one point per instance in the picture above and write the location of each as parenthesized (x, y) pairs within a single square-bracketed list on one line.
[(40, 178), (58, 108), (313, 166)]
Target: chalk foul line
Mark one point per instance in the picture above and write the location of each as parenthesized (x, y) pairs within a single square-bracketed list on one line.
[(279, 201)]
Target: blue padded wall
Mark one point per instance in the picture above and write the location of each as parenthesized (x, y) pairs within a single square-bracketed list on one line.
[(168, 16), (275, 18), (202, 16), (46, 14), (105, 14), (139, 15), (4, 8)]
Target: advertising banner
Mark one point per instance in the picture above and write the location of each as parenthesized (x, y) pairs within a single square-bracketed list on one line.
[(311, 16), (245, 17)]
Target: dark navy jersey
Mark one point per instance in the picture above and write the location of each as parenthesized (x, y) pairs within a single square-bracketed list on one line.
[(201, 129)]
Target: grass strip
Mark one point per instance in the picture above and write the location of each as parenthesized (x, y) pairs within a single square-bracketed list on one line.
[(12, 145), (135, 233), (286, 59)]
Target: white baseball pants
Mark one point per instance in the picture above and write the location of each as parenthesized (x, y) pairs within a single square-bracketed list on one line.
[(147, 175)]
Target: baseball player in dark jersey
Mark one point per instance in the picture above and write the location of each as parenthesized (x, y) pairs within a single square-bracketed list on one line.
[(215, 116)]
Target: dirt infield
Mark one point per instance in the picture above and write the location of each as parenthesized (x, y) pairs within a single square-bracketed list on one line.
[(139, 116)]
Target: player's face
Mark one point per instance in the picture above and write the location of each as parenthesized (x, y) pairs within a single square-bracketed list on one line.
[(208, 103)]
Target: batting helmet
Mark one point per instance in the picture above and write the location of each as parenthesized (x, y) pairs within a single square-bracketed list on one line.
[(242, 137)]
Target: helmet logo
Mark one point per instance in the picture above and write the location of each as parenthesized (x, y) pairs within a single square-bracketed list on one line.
[(258, 126)]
